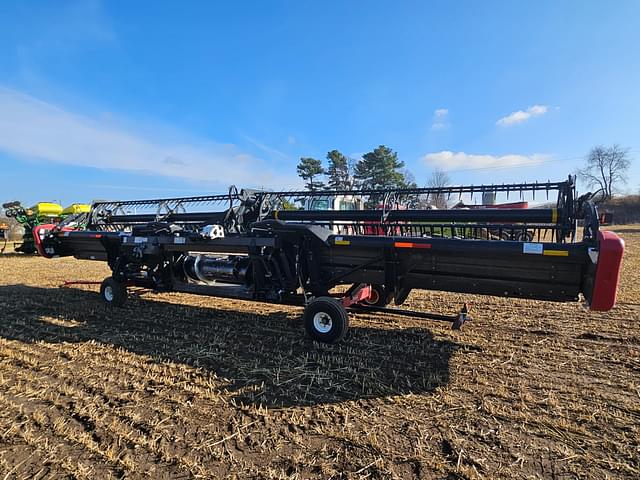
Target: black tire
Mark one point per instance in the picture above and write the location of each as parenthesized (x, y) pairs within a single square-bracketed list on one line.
[(380, 297), (401, 295), (525, 236), (26, 248), (113, 293), (326, 320)]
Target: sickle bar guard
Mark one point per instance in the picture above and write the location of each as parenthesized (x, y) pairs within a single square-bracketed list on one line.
[(294, 248)]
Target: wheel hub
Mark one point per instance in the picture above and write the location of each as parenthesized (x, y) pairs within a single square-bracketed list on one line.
[(108, 293), (322, 322)]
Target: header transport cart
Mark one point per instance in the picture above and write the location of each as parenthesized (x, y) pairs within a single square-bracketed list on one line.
[(257, 245)]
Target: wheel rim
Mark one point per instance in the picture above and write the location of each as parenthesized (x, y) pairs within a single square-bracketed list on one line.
[(108, 293), (373, 298), (322, 322)]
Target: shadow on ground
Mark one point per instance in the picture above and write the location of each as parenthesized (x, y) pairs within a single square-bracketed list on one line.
[(265, 357)]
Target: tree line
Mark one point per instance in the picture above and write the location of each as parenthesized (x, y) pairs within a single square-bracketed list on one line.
[(377, 169), (605, 169)]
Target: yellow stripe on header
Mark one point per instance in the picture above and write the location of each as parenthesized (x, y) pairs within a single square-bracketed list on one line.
[(342, 242), (556, 253), (275, 214), (554, 215)]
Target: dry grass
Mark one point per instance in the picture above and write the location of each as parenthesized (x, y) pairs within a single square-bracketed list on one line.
[(179, 386)]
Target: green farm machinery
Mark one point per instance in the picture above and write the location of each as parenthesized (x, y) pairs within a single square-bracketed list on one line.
[(39, 214)]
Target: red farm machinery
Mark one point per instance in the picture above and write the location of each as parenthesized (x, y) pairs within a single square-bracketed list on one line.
[(264, 246)]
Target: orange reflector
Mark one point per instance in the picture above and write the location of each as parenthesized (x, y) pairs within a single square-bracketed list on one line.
[(411, 245)]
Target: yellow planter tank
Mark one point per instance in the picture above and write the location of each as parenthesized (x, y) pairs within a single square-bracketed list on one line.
[(76, 208), (46, 209)]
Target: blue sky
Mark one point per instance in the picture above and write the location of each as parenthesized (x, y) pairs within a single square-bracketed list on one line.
[(121, 99)]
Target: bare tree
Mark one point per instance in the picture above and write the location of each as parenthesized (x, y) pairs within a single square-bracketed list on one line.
[(439, 179), (409, 179), (412, 200), (606, 168)]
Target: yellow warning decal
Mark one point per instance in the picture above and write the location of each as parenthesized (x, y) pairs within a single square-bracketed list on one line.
[(275, 214), (341, 241), (556, 253), (554, 215)]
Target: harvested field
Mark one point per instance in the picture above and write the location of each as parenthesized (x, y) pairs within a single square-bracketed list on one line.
[(180, 386)]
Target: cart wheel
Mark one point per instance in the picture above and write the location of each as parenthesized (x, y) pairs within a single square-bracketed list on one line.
[(379, 296), (113, 293), (525, 236), (26, 248), (326, 320)]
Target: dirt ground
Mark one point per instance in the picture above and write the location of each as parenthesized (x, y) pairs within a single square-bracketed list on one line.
[(180, 386)]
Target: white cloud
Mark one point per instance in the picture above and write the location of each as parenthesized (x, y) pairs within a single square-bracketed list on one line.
[(440, 119), (522, 115), (460, 160), (266, 148), (35, 129)]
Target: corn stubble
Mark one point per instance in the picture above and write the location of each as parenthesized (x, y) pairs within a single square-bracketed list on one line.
[(180, 386)]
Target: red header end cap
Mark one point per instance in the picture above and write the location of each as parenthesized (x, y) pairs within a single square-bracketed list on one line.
[(611, 249)]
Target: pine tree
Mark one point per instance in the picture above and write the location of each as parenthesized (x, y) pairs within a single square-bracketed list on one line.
[(338, 171), (379, 169), (309, 169)]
